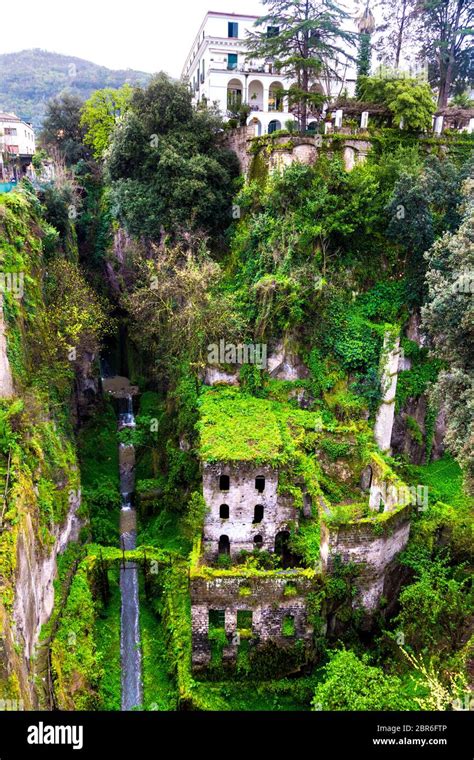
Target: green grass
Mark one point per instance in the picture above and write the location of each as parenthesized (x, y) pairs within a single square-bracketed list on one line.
[(235, 427), (99, 449), (444, 480), (99, 462), (159, 689), (107, 636)]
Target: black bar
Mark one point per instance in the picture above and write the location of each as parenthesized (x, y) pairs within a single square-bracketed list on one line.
[(305, 735)]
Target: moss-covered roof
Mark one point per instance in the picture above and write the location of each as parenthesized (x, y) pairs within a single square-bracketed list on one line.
[(235, 427)]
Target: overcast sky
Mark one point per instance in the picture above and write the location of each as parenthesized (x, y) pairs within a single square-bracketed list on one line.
[(148, 35)]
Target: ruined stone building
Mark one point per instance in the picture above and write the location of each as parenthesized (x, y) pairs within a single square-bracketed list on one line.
[(256, 498)]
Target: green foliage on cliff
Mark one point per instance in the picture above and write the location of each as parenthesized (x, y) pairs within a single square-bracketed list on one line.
[(74, 657), (98, 449)]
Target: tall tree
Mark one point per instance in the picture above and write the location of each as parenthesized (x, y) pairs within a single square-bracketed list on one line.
[(62, 128), (168, 171), (448, 318), (394, 32), (99, 116), (445, 29), (366, 26), (302, 36)]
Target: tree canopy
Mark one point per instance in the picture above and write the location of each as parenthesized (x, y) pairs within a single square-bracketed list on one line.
[(305, 39)]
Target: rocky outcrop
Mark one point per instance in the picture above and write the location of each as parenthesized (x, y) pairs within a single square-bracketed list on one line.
[(284, 363), (86, 387), (6, 379), (386, 412), (35, 573)]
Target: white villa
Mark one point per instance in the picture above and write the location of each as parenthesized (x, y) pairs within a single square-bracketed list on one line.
[(17, 141), (218, 72)]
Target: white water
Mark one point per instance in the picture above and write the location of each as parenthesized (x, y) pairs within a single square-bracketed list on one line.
[(130, 645)]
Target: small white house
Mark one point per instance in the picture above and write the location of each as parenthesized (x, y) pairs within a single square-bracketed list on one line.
[(17, 141), (218, 71)]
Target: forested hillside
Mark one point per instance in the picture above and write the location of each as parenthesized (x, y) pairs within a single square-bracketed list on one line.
[(30, 78)]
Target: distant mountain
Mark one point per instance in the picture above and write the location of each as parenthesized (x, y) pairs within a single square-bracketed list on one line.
[(30, 78)]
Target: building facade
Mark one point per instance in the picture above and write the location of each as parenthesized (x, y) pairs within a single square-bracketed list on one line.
[(245, 510), (17, 146), (218, 71)]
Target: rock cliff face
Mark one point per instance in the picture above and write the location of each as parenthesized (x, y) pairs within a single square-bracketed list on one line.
[(6, 380), (386, 412), (35, 573), (39, 489), (411, 425)]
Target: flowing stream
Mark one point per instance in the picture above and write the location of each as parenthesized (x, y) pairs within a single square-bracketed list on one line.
[(130, 648)]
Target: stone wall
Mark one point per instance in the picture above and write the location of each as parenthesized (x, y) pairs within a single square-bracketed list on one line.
[(241, 499), (270, 599), (239, 141), (373, 545)]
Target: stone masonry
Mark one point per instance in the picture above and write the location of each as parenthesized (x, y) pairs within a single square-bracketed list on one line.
[(249, 512), (270, 599)]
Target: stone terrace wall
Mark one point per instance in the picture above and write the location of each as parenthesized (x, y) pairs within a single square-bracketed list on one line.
[(373, 546), (264, 596), (239, 140)]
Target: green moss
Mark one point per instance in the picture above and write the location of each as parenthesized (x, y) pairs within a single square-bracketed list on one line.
[(107, 638), (414, 429), (74, 658), (288, 626), (159, 688)]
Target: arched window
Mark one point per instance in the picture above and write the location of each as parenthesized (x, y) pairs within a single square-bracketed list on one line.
[(224, 482), (260, 483), (224, 511), (275, 97), (258, 514), (258, 542), (273, 126), (224, 545)]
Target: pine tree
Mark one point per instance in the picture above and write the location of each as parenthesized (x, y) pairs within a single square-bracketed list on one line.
[(302, 37)]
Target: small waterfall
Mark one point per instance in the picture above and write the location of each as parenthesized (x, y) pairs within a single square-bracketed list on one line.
[(130, 648), (126, 416)]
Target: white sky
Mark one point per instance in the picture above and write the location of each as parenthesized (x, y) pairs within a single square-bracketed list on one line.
[(120, 34)]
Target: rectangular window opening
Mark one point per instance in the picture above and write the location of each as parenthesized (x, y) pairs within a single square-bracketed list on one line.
[(244, 620), (216, 619)]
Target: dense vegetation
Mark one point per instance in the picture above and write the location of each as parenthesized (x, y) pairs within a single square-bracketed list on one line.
[(135, 253)]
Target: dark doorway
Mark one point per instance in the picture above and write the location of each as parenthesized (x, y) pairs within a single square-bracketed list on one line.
[(258, 514), (224, 511), (224, 482), (224, 545), (282, 548), (258, 542), (366, 478), (260, 483)]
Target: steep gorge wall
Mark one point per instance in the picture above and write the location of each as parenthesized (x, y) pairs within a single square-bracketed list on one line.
[(40, 488)]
